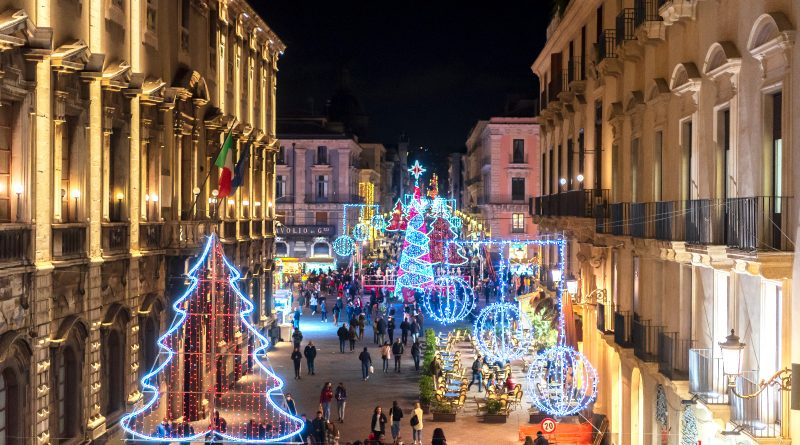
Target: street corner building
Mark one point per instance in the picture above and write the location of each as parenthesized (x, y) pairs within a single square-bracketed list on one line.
[(668, 158), (112, 113)]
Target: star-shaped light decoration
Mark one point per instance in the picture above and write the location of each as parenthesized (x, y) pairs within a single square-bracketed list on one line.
[(416, 170)]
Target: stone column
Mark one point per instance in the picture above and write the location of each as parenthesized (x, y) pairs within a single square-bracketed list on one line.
[(42, 186), (135, 166), (93, 373)]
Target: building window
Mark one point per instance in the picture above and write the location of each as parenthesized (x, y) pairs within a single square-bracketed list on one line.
[(518, 223), (518, 156), (281, 158), (321, 218), (185, 13), (3, 410), (114, 365), (777, 147), (281, 249), (5, 166), (658, 179), (635, 170), (280, 186), (686, 161), (152, 10), (322, 186), (68, 397), (517, 189), (320, 249), (322, 155)]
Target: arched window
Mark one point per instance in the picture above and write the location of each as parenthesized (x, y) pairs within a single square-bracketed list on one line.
[(281, 249), (68, 397), (321, 249), (114, 364), (149, 346), (11, 429)]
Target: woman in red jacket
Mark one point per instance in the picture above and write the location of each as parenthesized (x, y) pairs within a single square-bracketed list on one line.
[(325, 398)]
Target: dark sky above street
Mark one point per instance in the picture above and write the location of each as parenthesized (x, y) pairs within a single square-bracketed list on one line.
[(426, 68)]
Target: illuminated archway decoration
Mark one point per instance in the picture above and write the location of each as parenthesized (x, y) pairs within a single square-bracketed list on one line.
[(449, 300), (212, 322)]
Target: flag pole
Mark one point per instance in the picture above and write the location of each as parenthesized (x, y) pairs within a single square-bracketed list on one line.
[(208, 175)]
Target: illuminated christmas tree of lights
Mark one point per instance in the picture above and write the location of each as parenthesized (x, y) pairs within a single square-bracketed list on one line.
[(414, 270), (212, 360)]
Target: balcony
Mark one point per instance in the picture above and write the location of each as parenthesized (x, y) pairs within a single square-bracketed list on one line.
[(312, 198), (578, 203), (620, 217), (150, 235), (643, 221), (115, 238), (601, 318), (622, 329), (69, 241), (244, 229), (762, 415), (626, 28), (706, 379), (704, 221), (759, 222), (673, 356), (645, 339), (15, 242), (669, 221), (607, 47), (186, 234), (646, 11)]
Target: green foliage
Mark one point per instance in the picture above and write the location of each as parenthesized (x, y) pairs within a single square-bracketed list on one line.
[(429, 351), (442, 408), (542, 326), (427, 390), (493, 406)]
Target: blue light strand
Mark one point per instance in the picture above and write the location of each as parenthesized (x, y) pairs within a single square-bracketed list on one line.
[(561, 381), (500, 334), (178, 321), (344, 246), (456, 300), (415, 271)]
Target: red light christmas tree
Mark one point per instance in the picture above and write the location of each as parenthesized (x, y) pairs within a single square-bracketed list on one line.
[(441, 234), (399, 220), (211, 379), (433, 189)]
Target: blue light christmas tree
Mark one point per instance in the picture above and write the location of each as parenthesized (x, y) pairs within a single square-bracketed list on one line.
[(211, 372), (414, 272)]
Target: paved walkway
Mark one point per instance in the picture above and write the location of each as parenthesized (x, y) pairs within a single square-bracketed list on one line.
[(381, 389)]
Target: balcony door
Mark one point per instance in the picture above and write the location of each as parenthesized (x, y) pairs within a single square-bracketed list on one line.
[(775, 169)]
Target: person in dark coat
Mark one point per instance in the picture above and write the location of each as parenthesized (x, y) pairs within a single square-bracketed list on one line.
[(381, 326), (318, 429), (416, 350), (352, 335), (310, 352), (397, 351), (342, 334), (378, 423), (404, 328), (390, 329), (366, 362), (297, 338), (540, 439), (438, 437), (296, 358)]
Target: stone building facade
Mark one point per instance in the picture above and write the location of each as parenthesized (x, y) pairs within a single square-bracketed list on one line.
[(500, 175), (111, 114), (669, 160)]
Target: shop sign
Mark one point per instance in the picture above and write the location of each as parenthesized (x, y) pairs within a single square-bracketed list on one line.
[(306, 230)]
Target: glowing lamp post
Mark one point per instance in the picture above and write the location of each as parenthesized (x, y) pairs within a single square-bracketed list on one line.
[(731, 357)]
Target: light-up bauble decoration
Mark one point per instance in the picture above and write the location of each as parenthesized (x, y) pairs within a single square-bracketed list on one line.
[(449, 300), (360, 232), (344, 246), (456, 223), (561, 381), (500, 331), (377, 222)]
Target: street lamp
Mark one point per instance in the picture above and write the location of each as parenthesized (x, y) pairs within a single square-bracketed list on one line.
[(580, 177), (731, 350), (212, 201), (572, 286), (75, 195), (17, 188), (257, 211)]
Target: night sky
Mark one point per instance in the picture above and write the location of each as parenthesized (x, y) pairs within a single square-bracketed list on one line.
[(426, 68)]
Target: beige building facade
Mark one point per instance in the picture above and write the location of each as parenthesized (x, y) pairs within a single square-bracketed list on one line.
[(111, 114), (669, 160)]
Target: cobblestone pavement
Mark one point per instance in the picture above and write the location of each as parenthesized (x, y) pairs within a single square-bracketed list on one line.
[(381, 389)]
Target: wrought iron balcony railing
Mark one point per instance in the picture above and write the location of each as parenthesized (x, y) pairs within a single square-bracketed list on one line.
[(69, 241), (759, 222), (626, 28), (622, 329), (15, 242), (607, 47), (762, 415), (645, 339), (646, 11), (706, 379), (673, 356)]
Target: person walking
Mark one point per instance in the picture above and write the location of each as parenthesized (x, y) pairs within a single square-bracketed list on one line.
[(540, 439), (318, 429), (361, 324), (395, 415), (416, 424), (386, 352), (325, 398), (397, 350), (381, 330), (296, 318), (310, 352), (296, 358), (476, 373), (366, 363), (341, 400), (404, 328), (378, 424), (414, 329), (390, 329), (337, 311), (416, 350), (323, 310), (313, 303), (342, 334), (290, 406), (297, 337), (352, 336)]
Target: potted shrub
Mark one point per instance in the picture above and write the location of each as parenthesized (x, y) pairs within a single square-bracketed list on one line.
[(443, 412), (494, 413), (427, 392)]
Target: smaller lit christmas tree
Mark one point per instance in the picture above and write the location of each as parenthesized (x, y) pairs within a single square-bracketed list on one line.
[(399, 220), (433, 187)]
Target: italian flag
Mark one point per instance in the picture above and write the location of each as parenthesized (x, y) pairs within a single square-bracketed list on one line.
[(225, 163)]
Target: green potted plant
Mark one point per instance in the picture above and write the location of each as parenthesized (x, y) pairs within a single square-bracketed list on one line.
[(427, 392), (443, 412), (494, 412)]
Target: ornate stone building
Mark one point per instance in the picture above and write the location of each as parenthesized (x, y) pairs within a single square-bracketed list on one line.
[(669, 159), (111, 114)]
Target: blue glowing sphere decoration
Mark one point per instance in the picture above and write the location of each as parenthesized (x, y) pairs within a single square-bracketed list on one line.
[(456, 223), (360, 232), (561, 381), (343, 245), (501, 332), (377, 222), (449, 300)]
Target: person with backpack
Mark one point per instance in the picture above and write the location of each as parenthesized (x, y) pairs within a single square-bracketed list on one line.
[(366, 363), (341, 400), (476, 373), (342, 334), (397, 350), (416, 351), (416, 424), (395, 415), (310, 352)]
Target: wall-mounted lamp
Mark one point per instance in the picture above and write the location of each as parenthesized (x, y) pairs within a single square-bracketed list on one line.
[(76, 194), (580, 178), (556, 274), (732, 350), (120, 196), (17, 189)]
